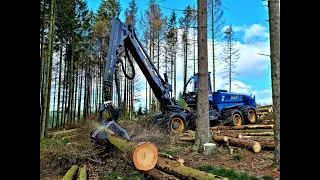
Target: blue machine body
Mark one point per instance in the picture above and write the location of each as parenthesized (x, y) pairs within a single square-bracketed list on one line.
[(219, 101)]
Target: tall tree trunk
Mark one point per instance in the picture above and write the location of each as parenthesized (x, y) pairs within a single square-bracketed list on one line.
[(194, 53), (63, 113), (230, 67), (147, 81), (54, 98), (151, 56), (71, 80), (49, 71), (213, 63), (79, 101), (85, 98), (59, 86), (125, 92), (97, 90), (42, 44), (171, 69), (185, 60), (274, 27), (76, 92), (202, 123), (132, 98), (175, 74), (158, 39)]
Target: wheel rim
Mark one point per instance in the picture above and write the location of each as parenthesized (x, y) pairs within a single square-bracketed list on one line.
[(252, 116), (237, 120), (177, 125)]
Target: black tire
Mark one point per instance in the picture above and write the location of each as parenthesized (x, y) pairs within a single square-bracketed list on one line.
[(249, 114), (156, 119), (167, 123), (191, 120), (233, 117)]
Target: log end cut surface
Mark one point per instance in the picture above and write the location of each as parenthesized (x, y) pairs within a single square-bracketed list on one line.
[(256, 147), (145, 156)]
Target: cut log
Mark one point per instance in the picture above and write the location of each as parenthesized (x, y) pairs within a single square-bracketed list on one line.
[(267, 145), (258, 134), (248, 130), (159, 175), (184, 172), (190, 139), (258, 126), (248, 144), (220, 139), (144, 155), (71, 173), (83, 173)]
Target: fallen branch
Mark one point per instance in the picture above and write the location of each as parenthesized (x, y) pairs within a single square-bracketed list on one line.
[(71, 173), (63, 132), (159, 175), (267, 126), (258, 134), (184, 172)]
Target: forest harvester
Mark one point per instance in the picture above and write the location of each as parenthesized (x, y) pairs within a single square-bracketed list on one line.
[(227, 108)]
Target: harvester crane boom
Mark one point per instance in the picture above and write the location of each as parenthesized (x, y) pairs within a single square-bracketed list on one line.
[(123, 39)]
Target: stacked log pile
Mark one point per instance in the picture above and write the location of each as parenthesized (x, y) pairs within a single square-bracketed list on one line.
[(251, 137)]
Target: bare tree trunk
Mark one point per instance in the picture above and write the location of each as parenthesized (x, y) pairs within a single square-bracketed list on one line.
[(175, 74), (274, 27), (54, 98), (79, 101), (202, 123), (49, 71), (71, 82), (42, 44), (59, 87), (63, 94), (213, 63), (125, 92), (151, 56), (158, 103), (76, 92)]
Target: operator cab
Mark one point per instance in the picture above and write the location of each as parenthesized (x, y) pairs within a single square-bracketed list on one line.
[(190, 90)]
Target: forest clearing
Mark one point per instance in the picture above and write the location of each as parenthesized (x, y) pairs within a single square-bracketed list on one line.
[(159, 90), (73, 146)]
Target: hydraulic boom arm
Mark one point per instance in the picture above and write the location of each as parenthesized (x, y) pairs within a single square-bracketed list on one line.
[(123, 40)]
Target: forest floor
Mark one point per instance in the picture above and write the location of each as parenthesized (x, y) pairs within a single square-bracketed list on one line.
[(73, 145)]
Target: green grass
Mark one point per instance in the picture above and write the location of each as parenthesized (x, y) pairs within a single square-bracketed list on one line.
[(228, 173), (236, 157), (267, 177), (125, 173), (170, 152), (50, 142)]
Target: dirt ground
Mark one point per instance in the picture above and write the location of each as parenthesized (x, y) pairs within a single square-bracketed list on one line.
[(60, 152)]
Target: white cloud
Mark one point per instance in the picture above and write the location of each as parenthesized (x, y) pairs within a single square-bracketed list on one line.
[(256, 30)]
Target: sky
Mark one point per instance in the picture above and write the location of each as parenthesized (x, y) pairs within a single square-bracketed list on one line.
[(249, 19)]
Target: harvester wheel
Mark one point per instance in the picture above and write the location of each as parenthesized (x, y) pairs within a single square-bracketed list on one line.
[(173, 122), (156, 119), (249, 114), (234, 117), (191, 119)]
